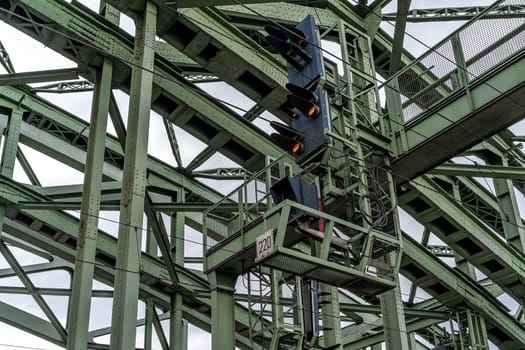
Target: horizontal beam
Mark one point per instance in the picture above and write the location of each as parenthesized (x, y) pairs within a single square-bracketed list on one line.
[(174, 98), (74, 154), (459, 13), (206, 3), (39, 76), (112, 206), (66, 87), (410, 312), (59, 236), (491, 171), (54, 291)]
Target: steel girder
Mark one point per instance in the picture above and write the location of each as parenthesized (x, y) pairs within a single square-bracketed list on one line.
[(56, 233), (458, 13), (173, 97), (166, 172), (155, 280), (476, 170), (54, 191), (59, 134)]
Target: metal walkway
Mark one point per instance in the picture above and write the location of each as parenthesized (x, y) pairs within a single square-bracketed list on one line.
[(459, 93)]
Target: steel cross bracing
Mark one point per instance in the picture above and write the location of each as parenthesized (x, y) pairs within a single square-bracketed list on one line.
[(459, 13), (482, 228)]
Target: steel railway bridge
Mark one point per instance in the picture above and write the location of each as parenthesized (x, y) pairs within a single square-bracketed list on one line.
[(424, 136)]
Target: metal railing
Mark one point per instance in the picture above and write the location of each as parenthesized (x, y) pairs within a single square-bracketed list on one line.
[(469, 54), (242, 206)]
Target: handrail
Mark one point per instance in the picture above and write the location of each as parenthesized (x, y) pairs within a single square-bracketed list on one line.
[(465, 56)]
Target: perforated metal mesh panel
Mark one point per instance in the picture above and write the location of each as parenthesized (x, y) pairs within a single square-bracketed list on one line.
[(475, 50), (383, 258)]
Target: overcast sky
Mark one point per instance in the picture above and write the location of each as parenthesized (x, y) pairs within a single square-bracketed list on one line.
[(29, 55)]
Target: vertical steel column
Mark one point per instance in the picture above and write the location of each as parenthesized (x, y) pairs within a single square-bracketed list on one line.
[(509, 209), (333, 333), (277, 308), (178, 326), (127, 279), (412, 342), (463, 74), (151, 249), (394, 324), (222, 310), (11, 143), (80, 302), (462, 263), (7, 165)]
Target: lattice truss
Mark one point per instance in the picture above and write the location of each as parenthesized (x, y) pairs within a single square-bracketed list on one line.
[(194, 83)]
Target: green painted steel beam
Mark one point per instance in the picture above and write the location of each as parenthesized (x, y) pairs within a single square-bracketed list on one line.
[(399, 35), (10, 149), (134, 174), (223, 174), (155, 278), (466, 234), (379, 3), (174, 97), (26, 166), (80, 302), (459, 13), (476, 170), (172, 55), (5, 61), (73, 154), (378, 337), (256, 17), (54, 291), (394, 323), (206, 3), (65, 87), (167, 208), (30, 323), (442, 251), (453, 128), (456, 288), (410, 312), (40, 76)]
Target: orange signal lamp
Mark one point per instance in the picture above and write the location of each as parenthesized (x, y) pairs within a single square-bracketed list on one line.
[(297, 148), (313, 111)]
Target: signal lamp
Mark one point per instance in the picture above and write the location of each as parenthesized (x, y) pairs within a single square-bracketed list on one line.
[(298, 148), (302, 92), (313, 111), (307, 107), (289, 42), (287, 138), (287, 34)]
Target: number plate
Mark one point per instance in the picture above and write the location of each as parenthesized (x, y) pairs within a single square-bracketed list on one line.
[(264, 245)]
